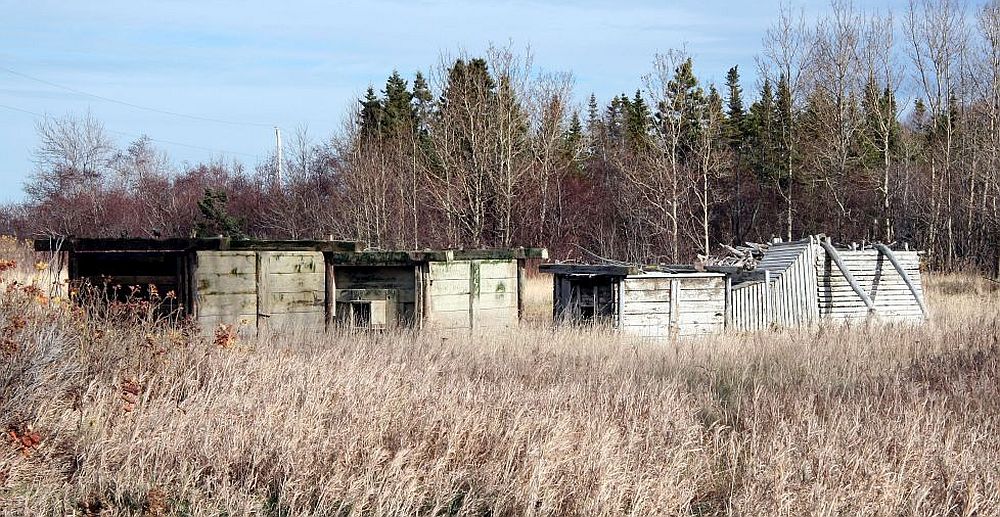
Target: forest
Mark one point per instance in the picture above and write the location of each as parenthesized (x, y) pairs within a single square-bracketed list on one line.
[(863, 125)]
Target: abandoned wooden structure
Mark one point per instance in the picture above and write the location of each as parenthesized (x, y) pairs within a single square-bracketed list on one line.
[(306, 285), (798, 283), (807, 281), (653, 304)]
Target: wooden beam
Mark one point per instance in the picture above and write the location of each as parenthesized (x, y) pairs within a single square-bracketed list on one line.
[(387, 258), (588, 270), (832, 252), (521, 280), (884, 250), (84, 245)]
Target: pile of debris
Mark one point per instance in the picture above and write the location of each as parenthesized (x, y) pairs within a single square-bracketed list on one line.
[(745, 257)]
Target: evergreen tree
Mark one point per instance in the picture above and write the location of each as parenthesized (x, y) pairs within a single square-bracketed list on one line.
[(215, 219), (398, 112), (879, 106), (687, 102), (422, 99), (595, 126), (637, 120), (784, 127), (615, 115), (735, 126), (370, 117), (761, 134), (573, 136)]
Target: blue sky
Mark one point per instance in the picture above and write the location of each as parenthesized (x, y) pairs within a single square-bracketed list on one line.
[(290, 64)]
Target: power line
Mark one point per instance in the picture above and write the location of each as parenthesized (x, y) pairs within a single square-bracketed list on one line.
[(133, 135), (135, 106)]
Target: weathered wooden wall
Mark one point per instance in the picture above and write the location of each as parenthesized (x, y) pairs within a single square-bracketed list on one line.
[(892, 299), (665, 305), (786, 297), (803, 286), (467, 294), (225, 285), (291, 291)]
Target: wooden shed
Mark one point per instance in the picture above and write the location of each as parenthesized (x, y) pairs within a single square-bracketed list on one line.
[(306, 285), (804, 282), (657, 304)]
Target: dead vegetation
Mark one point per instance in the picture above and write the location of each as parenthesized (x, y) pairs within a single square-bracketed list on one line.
[(125, 415)]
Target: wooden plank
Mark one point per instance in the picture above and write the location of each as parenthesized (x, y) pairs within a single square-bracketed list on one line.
[(498, 300), (586, 269), (447, 287), (647, 307), (375, 277), (496, 317), (653, 295), (449, 320), (474, 292), (278, 303), (715, 293), (647, 284), (450, 302), (700, 329), (457, 270), (228, 304), (647, 331), (264, 308), (521, 283), (497, 269), (674, 303), (218, 283), (294, 262), (350, 295), (330, 293), (699, 319), (294, 283), (301, 322), (418, 298), (652, 319), (227, 262)]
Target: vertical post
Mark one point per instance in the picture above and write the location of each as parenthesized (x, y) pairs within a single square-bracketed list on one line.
[(473, 293), (331, 294), (728, 310), (556, 281), (263, 291), (675, 287), (278, 154), (768, 305), (418, 296), (521, 279), (621, 303), (425, 274)]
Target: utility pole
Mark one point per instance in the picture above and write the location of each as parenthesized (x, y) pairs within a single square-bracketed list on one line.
[(277, 149)]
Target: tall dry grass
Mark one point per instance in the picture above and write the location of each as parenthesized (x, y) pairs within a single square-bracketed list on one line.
[(120, 414)]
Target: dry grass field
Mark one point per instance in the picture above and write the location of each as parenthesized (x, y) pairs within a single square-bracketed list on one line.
[(113, 413)]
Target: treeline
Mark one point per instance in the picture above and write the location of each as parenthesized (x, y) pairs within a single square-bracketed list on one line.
[(862, 125)]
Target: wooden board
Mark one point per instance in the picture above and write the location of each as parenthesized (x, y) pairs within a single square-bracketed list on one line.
[(225, 285), (291, 290)]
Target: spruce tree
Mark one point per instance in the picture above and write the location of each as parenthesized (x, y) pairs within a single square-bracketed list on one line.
[(637, 121), (761, 134), (784, 119), (422, 99), (370, 117), (595, 126), (735, 126), (398, 112)]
